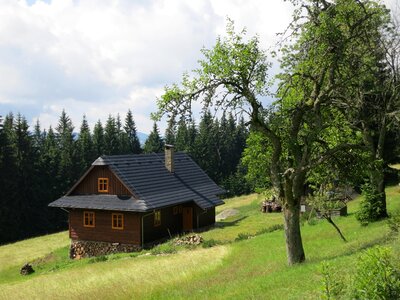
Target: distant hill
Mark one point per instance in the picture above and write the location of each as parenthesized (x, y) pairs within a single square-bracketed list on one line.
[(142, 137)]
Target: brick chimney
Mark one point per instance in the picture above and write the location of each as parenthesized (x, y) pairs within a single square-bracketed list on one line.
[(169, 158)]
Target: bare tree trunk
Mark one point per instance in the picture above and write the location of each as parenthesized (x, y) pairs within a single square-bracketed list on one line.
[(294, 244), (291, 212)]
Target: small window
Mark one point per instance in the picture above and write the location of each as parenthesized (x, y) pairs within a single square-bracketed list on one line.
[(117, 221), (157, 218), (88, 219), (102, 185)]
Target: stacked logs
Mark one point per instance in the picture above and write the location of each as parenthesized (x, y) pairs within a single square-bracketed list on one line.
[(270, 206), (194, 239), (80, 249), (26, 269)]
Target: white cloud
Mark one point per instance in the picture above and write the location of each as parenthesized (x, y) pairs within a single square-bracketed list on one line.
[(101, 57)]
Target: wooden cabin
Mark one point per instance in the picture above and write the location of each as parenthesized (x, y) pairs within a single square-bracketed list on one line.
[(124, 202)]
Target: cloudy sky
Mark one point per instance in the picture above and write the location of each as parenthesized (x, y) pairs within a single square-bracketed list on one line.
[(104, 57)]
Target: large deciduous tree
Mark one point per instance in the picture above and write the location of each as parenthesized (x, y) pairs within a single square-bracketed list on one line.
[(233, 74)]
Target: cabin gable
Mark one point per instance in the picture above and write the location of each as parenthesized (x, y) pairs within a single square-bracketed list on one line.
[(98, 181)]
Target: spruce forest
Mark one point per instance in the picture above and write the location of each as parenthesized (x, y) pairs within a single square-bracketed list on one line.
[(40, 165)]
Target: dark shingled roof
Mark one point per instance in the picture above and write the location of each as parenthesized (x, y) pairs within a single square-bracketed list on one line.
[(150, 181)]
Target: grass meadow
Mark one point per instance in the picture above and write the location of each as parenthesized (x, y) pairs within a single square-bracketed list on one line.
[(251, 266)]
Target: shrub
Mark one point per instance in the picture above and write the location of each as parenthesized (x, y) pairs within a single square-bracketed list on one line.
[(332, 282), (309, 217), (166, 248), (394, 222), (270, 229), (370, 209), (97, 259), (243, 236), (377, 277), (209, 243)]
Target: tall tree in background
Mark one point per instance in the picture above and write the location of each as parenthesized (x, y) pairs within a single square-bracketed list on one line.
[(130, 129), (8, 180), (154, 143), (66, 171), (375, 101), (84, 145), (170, 132), (111, 140), (98, 139), (206, 149)]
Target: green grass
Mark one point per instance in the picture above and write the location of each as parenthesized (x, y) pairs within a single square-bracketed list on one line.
[(242, 269)]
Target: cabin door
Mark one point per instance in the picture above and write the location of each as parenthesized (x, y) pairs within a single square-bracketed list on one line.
[(187, 214)]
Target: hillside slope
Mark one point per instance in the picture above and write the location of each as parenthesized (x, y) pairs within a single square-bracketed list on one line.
[(247, 262)]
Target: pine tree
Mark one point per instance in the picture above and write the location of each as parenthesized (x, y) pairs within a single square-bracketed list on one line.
[(111, 143), (154, 143), (170, 132), (98, 139), (206, 151), (8, 182), (66, 171), (130, 129), (26, 178), (84, 147)]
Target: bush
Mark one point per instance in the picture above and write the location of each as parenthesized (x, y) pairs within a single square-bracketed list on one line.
[(370, 209), (377, 277), (243, 236), (270, 229), (166, 248), (209, 243), (309, 217), (394, 222), (97, 259), (332, 282)]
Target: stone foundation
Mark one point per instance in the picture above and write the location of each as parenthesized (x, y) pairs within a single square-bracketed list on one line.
[(80, 249)]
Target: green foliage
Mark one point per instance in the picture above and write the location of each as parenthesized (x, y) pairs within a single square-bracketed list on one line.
[(377, 276), (154, 142), (131, 132), (243, 236), (332, 282), (165, 248), (269, 229), (97, 259), (210, 243), (256, 158), (394, 222), (370, 208)]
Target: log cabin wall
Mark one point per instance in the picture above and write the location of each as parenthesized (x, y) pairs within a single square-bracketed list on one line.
[(89, 184), (205, 218), (131, 234), (171, 219)]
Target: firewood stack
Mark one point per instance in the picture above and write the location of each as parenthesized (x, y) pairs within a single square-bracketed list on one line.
[(26, 270), (194, 239)]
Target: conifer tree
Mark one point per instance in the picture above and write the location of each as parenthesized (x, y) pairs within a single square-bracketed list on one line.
[(154, 143), (84, 145), (98, 139), (170, 132), (66, 172), (8, 181), (206, 150), (111, 143), (130, 129)]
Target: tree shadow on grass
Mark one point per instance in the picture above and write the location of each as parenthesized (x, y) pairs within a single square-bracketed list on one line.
[(228, 224), (353, 250)]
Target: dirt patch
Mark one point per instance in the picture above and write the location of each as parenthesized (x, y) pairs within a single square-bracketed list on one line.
[(230, 212)]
